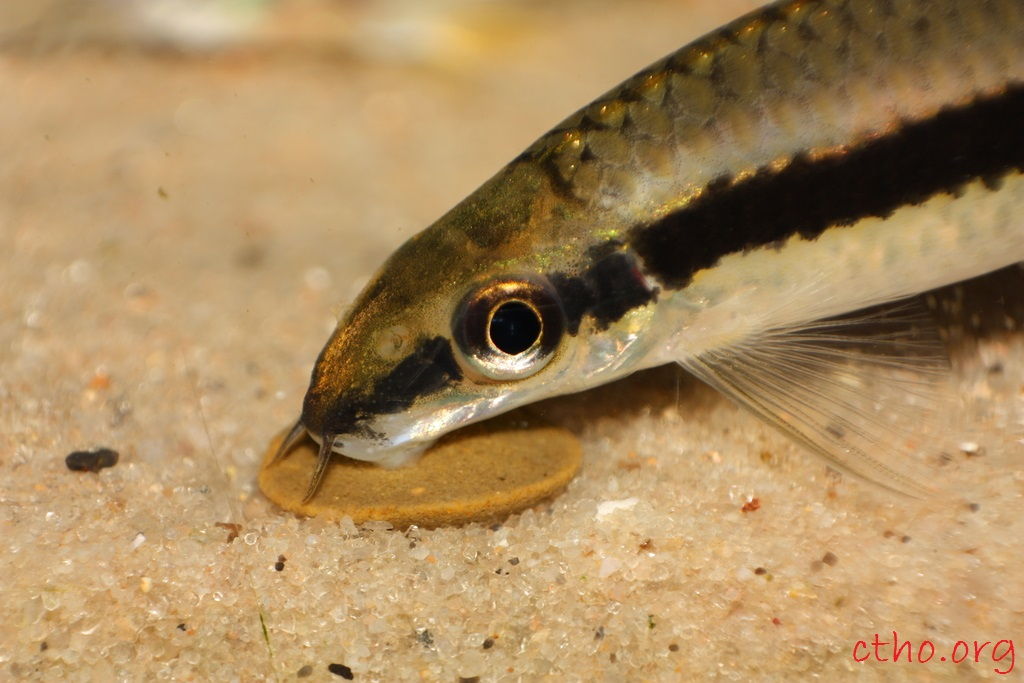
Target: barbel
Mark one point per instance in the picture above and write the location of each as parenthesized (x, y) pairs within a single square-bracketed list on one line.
[(733, 208)]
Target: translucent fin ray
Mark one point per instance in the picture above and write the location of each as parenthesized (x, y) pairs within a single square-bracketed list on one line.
[(864, 391)]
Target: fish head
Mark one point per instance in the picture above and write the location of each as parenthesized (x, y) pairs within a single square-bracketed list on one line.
[(488, 309)]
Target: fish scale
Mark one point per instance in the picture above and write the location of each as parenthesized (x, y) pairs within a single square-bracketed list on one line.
[(738, 99)]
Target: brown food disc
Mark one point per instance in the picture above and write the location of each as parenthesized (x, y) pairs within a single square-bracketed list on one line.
[(480, 473)]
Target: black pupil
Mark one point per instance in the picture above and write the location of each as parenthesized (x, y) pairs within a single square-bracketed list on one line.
[(515, 327)]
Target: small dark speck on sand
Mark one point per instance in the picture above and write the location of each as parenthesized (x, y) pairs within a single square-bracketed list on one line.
[(44, 646), (760, 571), (279, 565), (304, 672), (250, 256), (341, 670), (182, 627), (673, 647), (905, 539), (830, 559), (488, 643), (469, 679), (974, 507), (599, 633), (91, 461), (751, 505), (425, 637), (513, 561), (233, 529)]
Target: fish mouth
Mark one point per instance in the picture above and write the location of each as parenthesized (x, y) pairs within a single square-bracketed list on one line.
[(323, 458), (395, 456)]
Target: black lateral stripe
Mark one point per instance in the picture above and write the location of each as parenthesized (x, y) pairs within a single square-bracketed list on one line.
[(608, 289), (982, 140)]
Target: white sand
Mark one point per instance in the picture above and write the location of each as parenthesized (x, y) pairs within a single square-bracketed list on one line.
[(179, 234)]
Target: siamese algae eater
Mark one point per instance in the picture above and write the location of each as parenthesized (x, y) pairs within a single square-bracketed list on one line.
[(730, 208)]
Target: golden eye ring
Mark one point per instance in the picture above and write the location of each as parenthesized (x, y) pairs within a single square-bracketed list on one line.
[(508, 328)]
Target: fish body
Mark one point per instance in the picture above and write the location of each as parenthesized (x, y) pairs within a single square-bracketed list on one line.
[(811, 159)]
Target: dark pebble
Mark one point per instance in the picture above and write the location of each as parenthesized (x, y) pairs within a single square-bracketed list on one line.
[(974, 507), (469, 679), (830, 559), (279, 565), (341, 670), (91, 461), (673, 648), (488, 643), (513, 561), (425, 637), (182, 627), (760, 571), (44, 646), (304, 672)]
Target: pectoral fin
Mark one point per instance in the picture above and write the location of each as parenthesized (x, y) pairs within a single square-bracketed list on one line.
[(867, 392)]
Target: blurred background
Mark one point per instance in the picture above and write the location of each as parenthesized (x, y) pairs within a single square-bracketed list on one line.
[(400, 30), (218, 173), (263, 124)]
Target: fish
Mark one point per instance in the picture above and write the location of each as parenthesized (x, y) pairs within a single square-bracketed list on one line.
[(757, 207)]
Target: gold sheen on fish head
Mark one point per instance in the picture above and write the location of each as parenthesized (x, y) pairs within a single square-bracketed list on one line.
[(488, 309)]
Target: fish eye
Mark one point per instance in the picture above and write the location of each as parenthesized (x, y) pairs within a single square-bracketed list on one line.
[(508, 329)]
